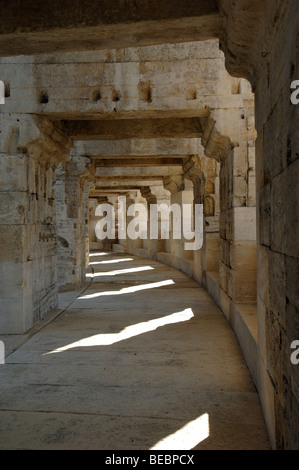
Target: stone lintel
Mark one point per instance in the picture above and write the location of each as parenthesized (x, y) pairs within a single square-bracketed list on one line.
[(131, 128)]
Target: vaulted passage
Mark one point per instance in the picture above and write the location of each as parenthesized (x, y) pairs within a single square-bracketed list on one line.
[(141, 359), (108, 106)]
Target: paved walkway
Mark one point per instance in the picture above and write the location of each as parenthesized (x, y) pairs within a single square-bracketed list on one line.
[(142, 359)]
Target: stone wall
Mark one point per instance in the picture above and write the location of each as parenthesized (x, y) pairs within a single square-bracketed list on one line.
[(28, 242), (277, 121), (266, 53)]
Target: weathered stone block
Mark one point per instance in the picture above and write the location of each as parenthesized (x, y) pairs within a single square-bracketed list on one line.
[(244, 223), (212, 251), (240, 191), (244, 285), (277, 286), (263, 287), (264, 221), (243, 255), (251, 199), (240, 161), (12, 242), (13, 173), (14, 208), (284, 210)]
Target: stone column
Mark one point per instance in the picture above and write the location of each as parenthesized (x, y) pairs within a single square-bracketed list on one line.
[(29, 155), (155, 195), (202, 171), (20, 238), (87, 185), (181, 191), (162, 198), (133, 245), (72, 223), (237, 222), (237, 229), (94, 242), (150, 245)]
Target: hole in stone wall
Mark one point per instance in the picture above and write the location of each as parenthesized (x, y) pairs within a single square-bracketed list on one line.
[(43, 97), (116, 95), (191, 93), (145, 91), (95, 95), (6, 89)]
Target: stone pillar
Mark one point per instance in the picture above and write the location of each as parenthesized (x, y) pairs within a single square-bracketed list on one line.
[(238, 226), (181, 191), (202, 171), (87, 185), (94, 242), (113, 199), (17, 254), (92, 205), (162, 198), (235, 154), (28, 242), (133, 245), (72, 223), (150, 245), (27, 221), (156, 195)]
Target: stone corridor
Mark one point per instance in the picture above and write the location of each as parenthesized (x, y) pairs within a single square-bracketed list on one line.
[(141, 358), (106, 106)]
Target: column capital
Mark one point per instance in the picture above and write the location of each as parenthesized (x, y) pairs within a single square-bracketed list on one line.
[(147, 194), (174, 183), (51, 146), (194, 167), (82, 167)]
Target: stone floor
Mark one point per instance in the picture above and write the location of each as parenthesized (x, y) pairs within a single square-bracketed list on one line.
[(141, 359)]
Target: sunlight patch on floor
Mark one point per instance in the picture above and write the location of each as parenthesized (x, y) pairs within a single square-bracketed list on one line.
[(128, 332), (99, 254), (120, 271), (111, 261), (187, 437), (128, 290)]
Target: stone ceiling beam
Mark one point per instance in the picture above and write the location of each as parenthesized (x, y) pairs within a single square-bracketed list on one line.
[(125, 178), (121, 158), (141, 162), (109, 192), (129, 187), (138, 148), (132, 128), (42, 26), (137, 182), (133, 171)]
